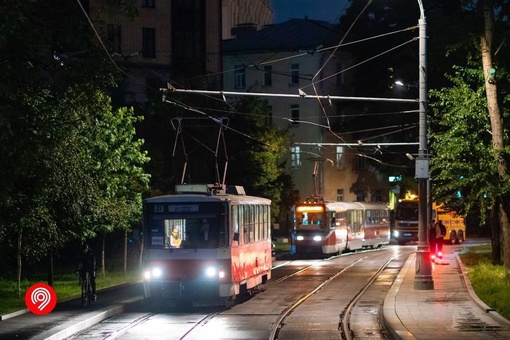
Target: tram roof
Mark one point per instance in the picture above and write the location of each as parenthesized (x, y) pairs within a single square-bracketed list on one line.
[(208, 198), (208, 193), (356, 205)]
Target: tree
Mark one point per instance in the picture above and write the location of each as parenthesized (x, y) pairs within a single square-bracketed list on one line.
[(500, 153), (50, 114), (256, 162), (468, 134)]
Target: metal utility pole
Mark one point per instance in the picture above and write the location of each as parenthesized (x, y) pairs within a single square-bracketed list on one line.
[(423, 278)]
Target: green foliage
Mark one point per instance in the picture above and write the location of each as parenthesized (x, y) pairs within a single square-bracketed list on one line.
[(66, 286), (71, 165), (489, 281), (257, 160), (461, 143)]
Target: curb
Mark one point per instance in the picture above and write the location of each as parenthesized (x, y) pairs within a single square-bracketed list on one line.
[(489, 310), (65, 299), (390, 318)]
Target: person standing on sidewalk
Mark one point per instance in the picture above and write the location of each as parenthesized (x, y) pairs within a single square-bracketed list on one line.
[(440, 234), (432, 237)]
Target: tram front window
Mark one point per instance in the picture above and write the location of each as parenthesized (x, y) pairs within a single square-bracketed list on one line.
[(309, 220), (187, 230), (199, 232)]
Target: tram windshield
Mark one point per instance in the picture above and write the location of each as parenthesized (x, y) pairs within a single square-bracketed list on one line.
[(310, 217), (196, 225)]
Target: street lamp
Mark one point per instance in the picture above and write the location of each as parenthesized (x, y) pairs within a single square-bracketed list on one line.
[(423, 278)]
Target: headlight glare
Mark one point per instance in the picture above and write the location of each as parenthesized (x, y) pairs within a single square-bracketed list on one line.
[(157, 272), (210, 271)]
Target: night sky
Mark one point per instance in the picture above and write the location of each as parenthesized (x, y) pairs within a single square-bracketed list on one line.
[(327, 10)]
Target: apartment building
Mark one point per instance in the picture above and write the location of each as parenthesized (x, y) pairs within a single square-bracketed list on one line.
[(298, 60), (174, 40)]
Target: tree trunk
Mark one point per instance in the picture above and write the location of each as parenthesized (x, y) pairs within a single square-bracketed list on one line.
[(50, 267), (20, 233), (125, 250), (495, 235), (103, 265), (496, 124), (140, 239)]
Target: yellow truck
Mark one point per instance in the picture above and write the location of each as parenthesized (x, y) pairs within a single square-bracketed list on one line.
[(405, 225)]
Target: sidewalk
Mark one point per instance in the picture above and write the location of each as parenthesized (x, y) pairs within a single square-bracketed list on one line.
[(449, 311)]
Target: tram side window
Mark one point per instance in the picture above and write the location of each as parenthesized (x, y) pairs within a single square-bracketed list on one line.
[(235, 223), (241, 224), (256, 227), (341, 219), (251, 225), (373, 216), (265, 227), (355, 220), (246, 223)]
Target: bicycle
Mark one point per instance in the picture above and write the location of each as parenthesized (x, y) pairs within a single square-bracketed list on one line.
[(87, 297)]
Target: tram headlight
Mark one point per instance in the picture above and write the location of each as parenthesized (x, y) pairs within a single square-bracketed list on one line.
[(300, 238), (156, 272), (395, 233), (317, 238), (152, 273), (210, 271), (213, 272)]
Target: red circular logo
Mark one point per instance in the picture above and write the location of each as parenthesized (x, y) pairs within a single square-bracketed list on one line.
[(40, 299)]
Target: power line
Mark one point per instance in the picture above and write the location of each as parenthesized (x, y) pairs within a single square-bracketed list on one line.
[(302, 95)]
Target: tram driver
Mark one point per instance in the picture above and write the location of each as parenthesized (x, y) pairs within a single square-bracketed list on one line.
[(175, 238)]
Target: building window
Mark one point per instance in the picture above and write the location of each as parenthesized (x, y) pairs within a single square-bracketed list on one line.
[(360, 196), (240, 77), (294, 114), (148, 42), (339, 157), (294, 74), (149, 3), (378, 196), (113, 35), (268, 75), (295, 157), (339, 195)]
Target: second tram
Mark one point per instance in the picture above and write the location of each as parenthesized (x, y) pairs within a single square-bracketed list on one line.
[(205, 244), (336, 227)]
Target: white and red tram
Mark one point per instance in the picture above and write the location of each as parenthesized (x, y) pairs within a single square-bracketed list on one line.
[(220, 247), (336, 227)]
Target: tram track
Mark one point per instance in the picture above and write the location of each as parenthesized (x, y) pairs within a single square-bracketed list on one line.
[(344, 326), (278, 324), (303, 291)]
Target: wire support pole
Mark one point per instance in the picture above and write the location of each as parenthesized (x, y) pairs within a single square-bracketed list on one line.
[(287, 95), (423, 278)]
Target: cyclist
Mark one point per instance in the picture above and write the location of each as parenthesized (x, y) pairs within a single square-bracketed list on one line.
[(87, 263)]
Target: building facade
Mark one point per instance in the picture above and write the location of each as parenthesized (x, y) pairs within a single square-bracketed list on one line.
[(178, 40), (173, 40), (296, 61)]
